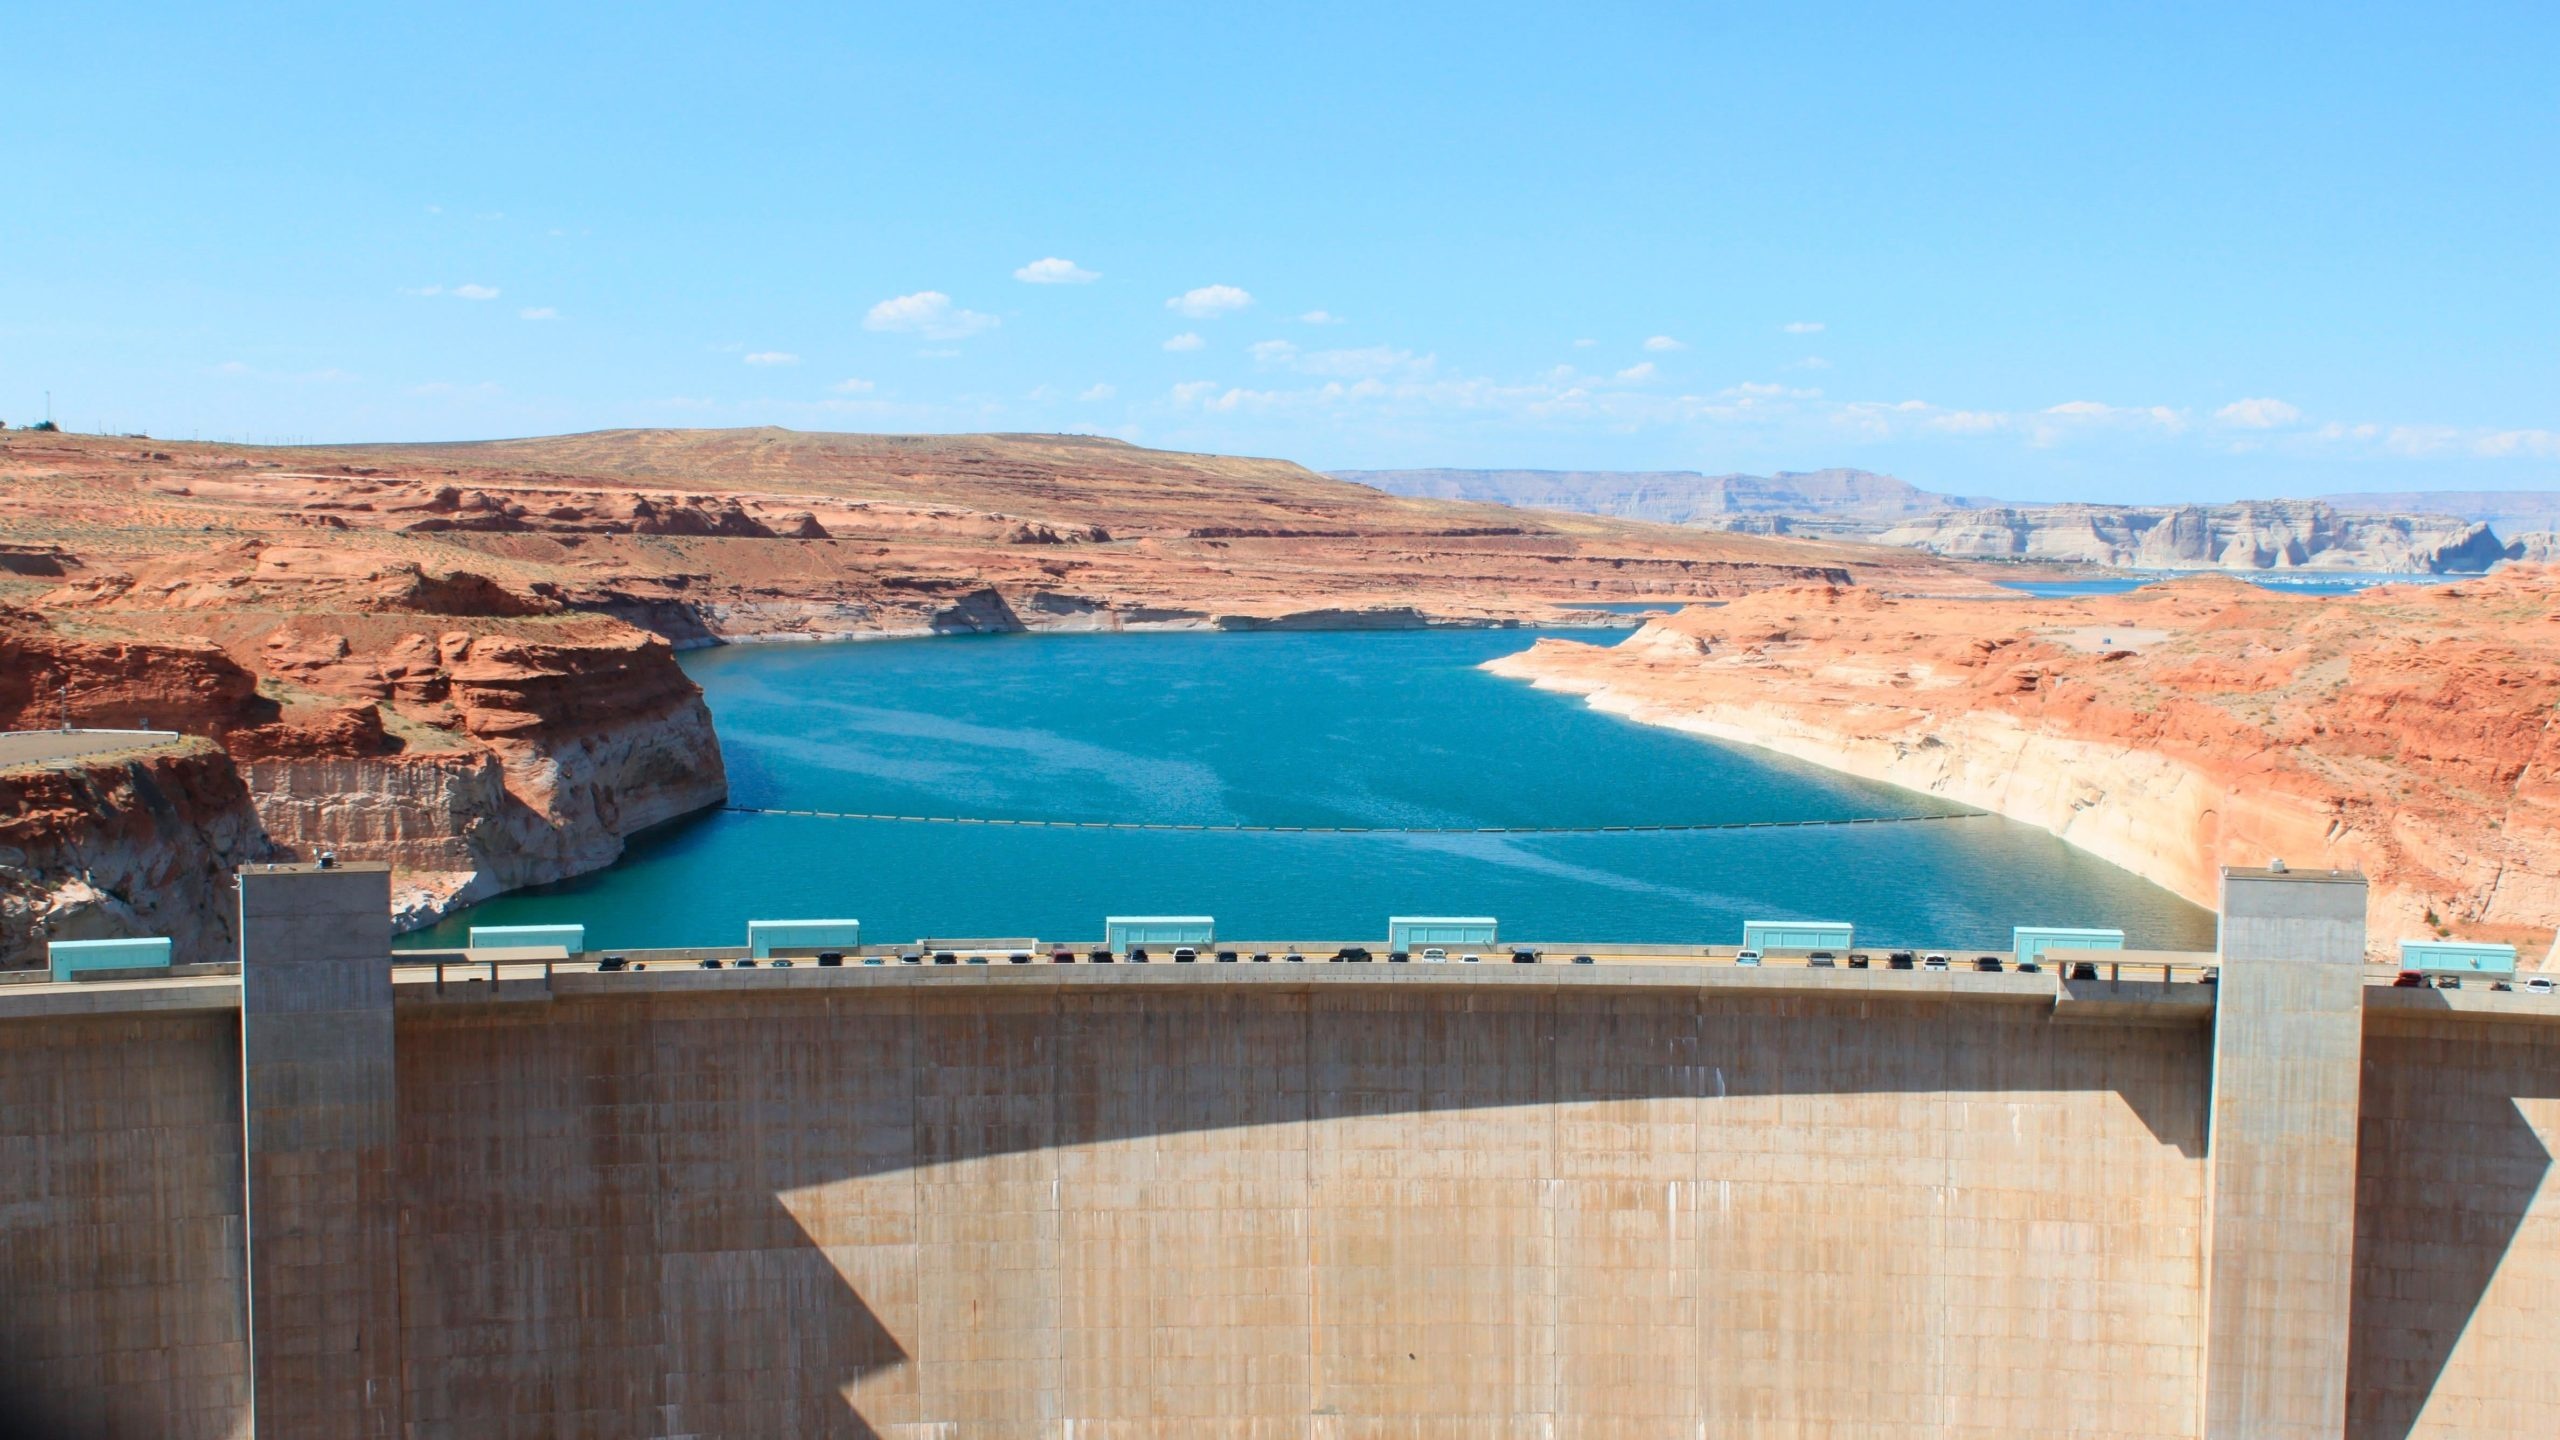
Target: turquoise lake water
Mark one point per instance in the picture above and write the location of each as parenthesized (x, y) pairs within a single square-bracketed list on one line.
[(2292, 583), (1368, 729)]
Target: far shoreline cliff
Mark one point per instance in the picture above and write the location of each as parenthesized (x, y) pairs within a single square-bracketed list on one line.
[(2405, 732)]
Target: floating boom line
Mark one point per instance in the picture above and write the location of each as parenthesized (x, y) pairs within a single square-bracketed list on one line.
[(1360, 829)]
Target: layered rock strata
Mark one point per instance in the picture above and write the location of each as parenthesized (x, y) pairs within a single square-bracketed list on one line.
[(2406, 732)]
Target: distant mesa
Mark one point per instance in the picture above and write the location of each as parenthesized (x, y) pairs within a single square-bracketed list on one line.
[(2414, 532)]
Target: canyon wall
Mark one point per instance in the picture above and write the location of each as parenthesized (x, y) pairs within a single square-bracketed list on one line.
[(477, 756), (2250, 535), (2405, 732), (143, 843)]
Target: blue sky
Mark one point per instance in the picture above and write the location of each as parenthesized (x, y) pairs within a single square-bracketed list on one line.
[(2168, 252)]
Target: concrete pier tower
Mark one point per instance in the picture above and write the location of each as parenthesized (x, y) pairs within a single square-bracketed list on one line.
[(2288, 1047), (322, 1132)]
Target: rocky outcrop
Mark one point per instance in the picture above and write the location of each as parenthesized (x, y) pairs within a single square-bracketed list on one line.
[(2405, 732), (474, 760), (142, 844), (2252, 535)]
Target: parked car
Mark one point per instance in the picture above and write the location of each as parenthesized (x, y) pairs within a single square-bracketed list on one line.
[(1184, 955), (1858, 960), (1933, 961), (1900, 960), (1018, 957), (946, 957), (779, 962), (1098, 955), (1226, 957), (1294, 958), (1524, 957), (2030, 967), (2408, 980), (1062, 957), (710, 962), (1435, 953), (1989, 964), (1470, 959), (611, 963), (1581, 959), (1137, 954), (2538, 985), (830, 959), (2448, 982), (910, 957), (1823, 958), (1357, 955), (1397, 957), (2500, 985), (1746, 957)]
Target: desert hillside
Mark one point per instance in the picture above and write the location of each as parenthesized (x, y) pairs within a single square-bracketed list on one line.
[(2406, 731), (460, 658)]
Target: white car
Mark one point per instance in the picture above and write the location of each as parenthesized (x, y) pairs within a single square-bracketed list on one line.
[(1478, 960), (1435, 956), (1747, 957), (2538, 985)]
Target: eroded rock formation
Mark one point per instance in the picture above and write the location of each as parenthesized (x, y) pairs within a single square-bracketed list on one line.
[(2251, 535), (2406, 731)]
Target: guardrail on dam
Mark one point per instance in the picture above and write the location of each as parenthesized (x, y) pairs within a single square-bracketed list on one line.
[(328, 1199)]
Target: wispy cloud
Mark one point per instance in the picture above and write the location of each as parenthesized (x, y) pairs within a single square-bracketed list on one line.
[(1584, 344), (2260, 413), (1272, 352), (1054, 271), (1802, 327), (1209, 301), (1319, 317), (537, 312), (928, 313), (475, 292), (1660, 343), (1185, 341), (1189, 391), (852, 387), (1097, 392), (770, 357), (1642, 370)]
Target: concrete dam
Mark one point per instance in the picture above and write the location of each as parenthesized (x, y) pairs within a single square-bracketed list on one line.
[(338, 1194)]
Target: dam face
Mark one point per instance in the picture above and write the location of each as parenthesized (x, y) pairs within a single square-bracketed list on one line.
[(1320, 1201)]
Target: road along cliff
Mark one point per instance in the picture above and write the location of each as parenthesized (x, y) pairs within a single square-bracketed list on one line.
[(2406, 731)]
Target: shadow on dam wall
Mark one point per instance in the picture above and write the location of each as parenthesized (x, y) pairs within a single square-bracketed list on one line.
[(618, 1205), (2448, 1169)]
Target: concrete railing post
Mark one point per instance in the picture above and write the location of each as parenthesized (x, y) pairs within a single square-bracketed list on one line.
[(318, 1089), (2288, 1051)]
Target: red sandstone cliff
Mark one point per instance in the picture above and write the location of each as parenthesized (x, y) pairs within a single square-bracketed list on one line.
[(137, 844), (475, 756), (2406, 731)]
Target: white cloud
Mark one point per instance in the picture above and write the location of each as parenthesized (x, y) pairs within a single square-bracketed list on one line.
[(2260, 413), (1191, 390), (1802, 327), (1660, 343), (852, 387), (537, 312), (1209, 301), (1054, 271), (1185, 341), (2503, 444), (1642, 370), (2081, 409), (1319, 317), (1584, 344), (770, 357), (1272, 352), (928, 313), (475, 292), (1967, 422), (231, 367), (1811, 362), (1098, 392)]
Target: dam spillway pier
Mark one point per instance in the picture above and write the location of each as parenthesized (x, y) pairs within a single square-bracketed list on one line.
[(1637, 1199)]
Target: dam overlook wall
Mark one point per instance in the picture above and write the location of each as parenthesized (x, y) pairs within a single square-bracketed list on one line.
[(1320, 1201)]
